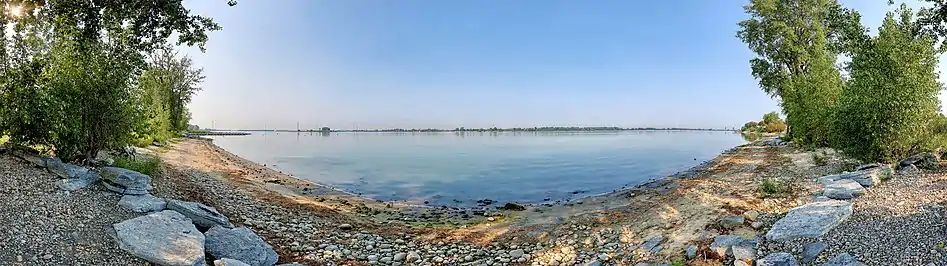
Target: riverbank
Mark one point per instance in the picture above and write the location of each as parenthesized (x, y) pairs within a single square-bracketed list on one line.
[(684, 211), (738, 196)]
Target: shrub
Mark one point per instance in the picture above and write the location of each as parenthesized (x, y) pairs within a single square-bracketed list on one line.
[(148, 166), (775, 127), (819, 158), (771, 187)]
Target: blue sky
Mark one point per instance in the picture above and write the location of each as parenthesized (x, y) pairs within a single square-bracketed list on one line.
[(446, 64)]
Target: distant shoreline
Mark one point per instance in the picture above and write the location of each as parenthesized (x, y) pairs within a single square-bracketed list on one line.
[(540, 129)]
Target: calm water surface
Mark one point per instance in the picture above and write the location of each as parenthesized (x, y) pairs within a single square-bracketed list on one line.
[(459, 168)]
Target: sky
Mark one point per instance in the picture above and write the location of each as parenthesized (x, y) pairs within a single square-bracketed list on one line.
[(488, 63)]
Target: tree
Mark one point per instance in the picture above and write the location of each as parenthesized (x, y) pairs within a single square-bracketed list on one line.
[(887, 111), (174, 80), (771, 118), (69, 68), (797, 42)]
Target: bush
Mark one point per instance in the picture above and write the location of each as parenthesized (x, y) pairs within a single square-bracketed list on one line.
[(819, 158), (148, 166), (775, 127), (771, 187)]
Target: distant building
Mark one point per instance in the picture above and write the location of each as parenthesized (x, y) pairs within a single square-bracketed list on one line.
[(193, 127), (326, 129)]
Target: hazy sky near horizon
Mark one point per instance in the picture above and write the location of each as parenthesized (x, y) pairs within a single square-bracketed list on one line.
[(446, 64)]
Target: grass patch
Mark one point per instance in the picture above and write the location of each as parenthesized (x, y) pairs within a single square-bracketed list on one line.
[(4, 139), (885, 176), (148, 166), (677, 263), (820, 158), (771, 188)]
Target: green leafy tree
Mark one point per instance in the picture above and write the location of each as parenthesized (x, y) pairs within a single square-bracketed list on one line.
[(797, 42), (886, 112), (771, 118)]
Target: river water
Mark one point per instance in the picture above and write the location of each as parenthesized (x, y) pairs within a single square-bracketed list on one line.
[(459, 168)]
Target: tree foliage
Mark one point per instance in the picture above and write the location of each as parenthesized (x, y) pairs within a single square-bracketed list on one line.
[(888, 110), (797, 42), (74, 75)]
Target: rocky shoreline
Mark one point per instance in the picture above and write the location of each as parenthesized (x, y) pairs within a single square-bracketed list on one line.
[(229, 211)]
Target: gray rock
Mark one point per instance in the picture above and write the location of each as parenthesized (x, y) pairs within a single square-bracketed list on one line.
[(843, 189), (723, 245), (74, 171), (515, 254), (813, 220), (79, 182), (594, 263), (732, 221), (203, 216), (125, 181), (56, 166), (811, 251), (691, 252), (229, 262), (908, 170), (400, 256), (412, 257), (867, 176), (240, 244), (651, 244), (142, 203), (924, 160), (163, 238), (36, 160), (751, 215), (291, 264), (778, 259), (843, 259), (744, 252)]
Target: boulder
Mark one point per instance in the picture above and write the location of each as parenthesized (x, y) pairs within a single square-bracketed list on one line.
[(751, 215), (56, 166), (778, 259), (142, 203), (229, 262), (924, 160), (240, 244), (811, 251), (73, 171), (78, 182), (909, 170), (813, 219), (867, 176), (203, 216), (744, 252), (124, 181), (843, 189), (162, 238), (36, 160), (843, 259)]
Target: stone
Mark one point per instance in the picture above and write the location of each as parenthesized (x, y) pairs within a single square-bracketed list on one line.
[(36, 160), (79, 182), (691, 252), (163, 238), (124, 181), (517, 253), (203, 216), (813, 220), (229, 262), (400, 256), (346, 226), (866, 176), (811, 251), (56, 166), (744, 252), (732, 221), (412, 257), (142, 203), (843, 259), (924, 160), (651, 244), (778, 259), (751, 215), (513, 206), (291, 264), (723, 245), (240, 244), (843, 189), (908, 170), (74, 171)]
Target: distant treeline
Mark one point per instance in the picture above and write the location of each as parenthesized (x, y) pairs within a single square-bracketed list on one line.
[(495, 129)]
